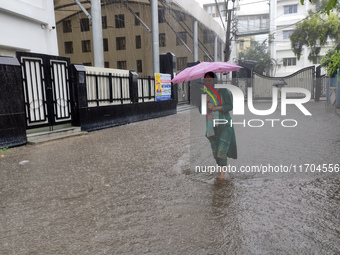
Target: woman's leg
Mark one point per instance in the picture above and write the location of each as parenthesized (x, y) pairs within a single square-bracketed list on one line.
[(214, 146), (222, 163)]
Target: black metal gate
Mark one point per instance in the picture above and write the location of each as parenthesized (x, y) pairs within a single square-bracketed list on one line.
[(46, 89)]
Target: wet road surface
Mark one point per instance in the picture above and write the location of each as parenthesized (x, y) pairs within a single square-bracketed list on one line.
[(132, 189)]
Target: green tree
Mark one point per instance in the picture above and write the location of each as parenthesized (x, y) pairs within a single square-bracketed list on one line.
[(331, 61), (313, 32), (259, 52), (324, 5)]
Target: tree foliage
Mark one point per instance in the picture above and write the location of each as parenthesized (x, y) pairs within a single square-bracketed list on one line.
[(258, 52), (324, 5), (314, 32), (332, 62)]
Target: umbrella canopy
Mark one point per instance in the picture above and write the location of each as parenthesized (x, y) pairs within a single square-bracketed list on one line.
[(199, 70)]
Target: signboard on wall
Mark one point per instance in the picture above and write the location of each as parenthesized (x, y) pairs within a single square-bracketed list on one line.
[(162, 86)]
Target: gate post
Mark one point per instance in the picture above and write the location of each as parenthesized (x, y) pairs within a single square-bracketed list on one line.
[(337, 103), (79, 93), (318, 84), (12, 104), (133, 84), (168, 65)]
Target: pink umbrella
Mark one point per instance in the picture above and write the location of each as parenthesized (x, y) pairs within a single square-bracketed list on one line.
[(199, 70)]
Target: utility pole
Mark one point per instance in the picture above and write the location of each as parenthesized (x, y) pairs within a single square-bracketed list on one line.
[(228, 38)]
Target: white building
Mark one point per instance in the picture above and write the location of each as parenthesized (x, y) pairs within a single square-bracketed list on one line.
[(278, 17), (27, 25)]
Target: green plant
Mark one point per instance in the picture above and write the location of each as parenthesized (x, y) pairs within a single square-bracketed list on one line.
[(4, 150), (333, 64)]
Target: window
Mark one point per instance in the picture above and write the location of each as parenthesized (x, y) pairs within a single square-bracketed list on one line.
[(86, 46), (253, 23), (289, 62), (241, 45), (107, 64), (290, 9), (68, 47), (210, 9), (287, 33), (87, 64), (264, 22), (161, 16), (121, 64), (120, 43), (84, 24), (119, 20), (138, 42), (104, 22), (105, 44), (317, 60), (180, 16), (162, 40), (213, 11), (208, 36), (181, 63), (67, 26), (183, 36), (139, 66), (137, 22)]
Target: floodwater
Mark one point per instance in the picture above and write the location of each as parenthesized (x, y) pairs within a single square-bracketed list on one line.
[(132, 189)]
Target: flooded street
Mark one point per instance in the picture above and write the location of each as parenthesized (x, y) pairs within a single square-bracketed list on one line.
[(133, 189)]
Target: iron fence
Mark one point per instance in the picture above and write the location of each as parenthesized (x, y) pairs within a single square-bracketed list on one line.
[(107, 89), (146, 89)]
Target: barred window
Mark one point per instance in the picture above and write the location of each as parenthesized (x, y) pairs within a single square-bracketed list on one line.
[(68, 47), (120, 43), (121, 64), (67, 26), (161, 16), (162, 40), (105, 44), (138, 42), (208, 36), (137, 22), (183, 36), (84, 24), (119, 21), (139, 66), (104, 22), (86, 46)]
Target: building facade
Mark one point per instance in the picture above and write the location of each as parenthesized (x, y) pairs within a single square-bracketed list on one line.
[(27, 26), (127, 40), (274, 17), (284, 15)]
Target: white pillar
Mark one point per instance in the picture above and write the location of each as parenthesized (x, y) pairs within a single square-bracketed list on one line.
[(155, 38), (215, 49), (195, 41), (97, 33)]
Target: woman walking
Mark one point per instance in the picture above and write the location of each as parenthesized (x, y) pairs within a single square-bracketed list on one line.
[(221, 137)]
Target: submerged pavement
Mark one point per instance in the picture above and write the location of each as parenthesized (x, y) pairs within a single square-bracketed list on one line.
[(133, 189)]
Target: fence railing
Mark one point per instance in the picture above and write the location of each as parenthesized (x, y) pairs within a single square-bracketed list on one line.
[(106, 86), (146, 89)]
